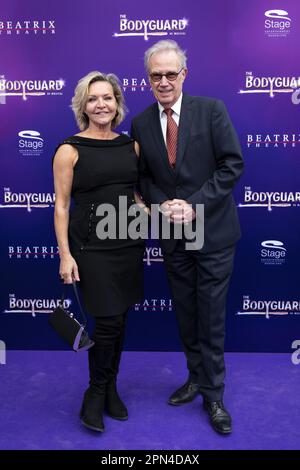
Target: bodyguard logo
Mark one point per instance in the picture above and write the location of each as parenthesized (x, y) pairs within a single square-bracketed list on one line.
[(30, 143), (273, 252), (153, 255), (270, 199), (27, 201), (150, 27), (34, 306), (277, 24), (270, 85), (268, 308), (25, 88)]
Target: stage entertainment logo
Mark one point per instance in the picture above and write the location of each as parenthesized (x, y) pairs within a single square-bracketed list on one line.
[(146, 28), (270, 199), (30, 143), (273, 253), (271, 86), (32, 252), (34, 306), (273, 140), (27, 28), (277, 23), (154, 305), (25, 88), (26, 201), (269, 308)]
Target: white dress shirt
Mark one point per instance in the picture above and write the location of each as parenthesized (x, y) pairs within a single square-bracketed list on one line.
[(163, 117)]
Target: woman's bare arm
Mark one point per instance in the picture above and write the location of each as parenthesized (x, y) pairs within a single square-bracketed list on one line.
[(64, 161), (137, 197)]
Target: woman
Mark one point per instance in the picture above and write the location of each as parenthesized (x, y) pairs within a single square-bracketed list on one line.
[(95, 167)]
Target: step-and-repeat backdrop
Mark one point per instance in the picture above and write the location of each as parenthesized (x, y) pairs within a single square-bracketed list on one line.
[(244, 54)]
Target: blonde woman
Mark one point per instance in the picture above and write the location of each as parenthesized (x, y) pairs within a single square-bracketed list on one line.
[(96, 167)]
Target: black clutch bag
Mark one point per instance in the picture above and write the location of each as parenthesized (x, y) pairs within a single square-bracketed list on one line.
[(69, 328)]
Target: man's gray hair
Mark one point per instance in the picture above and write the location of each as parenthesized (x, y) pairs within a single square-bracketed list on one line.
[(165, 45)]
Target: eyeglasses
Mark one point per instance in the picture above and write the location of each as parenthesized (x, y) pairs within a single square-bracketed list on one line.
[(170, 76)]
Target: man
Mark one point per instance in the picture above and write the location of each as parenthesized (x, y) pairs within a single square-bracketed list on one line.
[(190, 154)]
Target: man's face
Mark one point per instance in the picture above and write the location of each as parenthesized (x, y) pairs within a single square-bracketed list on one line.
[(166, 91)]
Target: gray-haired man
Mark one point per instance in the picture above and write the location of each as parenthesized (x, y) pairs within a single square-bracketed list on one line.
[(190, 155)]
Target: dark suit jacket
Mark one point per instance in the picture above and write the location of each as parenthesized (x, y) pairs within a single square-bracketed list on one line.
[(209, 162)]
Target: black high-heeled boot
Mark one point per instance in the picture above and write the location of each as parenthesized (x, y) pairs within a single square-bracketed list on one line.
[(100, 359), (91, 413), (114, 406), (113, 403), (103, 360)]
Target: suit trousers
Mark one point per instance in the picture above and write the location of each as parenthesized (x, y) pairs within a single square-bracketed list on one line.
[(199, 284)]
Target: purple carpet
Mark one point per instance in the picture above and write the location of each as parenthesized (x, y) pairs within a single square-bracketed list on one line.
[(41, 394)]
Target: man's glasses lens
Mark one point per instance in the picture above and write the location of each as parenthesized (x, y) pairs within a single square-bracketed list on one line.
[(170, 76)]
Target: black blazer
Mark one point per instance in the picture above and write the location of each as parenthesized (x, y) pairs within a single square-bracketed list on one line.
[(208, 164)]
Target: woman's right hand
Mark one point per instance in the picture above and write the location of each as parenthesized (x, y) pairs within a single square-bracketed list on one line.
[(68, 269)]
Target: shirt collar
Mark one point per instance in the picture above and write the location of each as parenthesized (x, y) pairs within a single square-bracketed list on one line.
[(175, 108)]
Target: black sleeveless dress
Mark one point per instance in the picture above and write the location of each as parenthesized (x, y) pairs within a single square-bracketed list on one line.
[(110, 270)]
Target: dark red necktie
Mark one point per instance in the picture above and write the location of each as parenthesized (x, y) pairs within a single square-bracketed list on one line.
[(172, 133)]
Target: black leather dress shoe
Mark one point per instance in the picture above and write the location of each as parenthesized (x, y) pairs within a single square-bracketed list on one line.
[(219, 417), (184, 394)]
